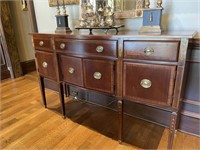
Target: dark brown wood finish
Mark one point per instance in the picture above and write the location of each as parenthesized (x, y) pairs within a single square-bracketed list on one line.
[(72, 71), (161, 78), (42, 44), (115, 79), (45, 64), (105, 83), (28, 66), (151, 50), (87, 47)]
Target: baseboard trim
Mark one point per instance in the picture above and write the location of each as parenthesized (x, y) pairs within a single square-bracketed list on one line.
[(28, 66), (5, 74)]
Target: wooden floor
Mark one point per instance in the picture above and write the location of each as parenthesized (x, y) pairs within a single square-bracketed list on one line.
[(26, 124)]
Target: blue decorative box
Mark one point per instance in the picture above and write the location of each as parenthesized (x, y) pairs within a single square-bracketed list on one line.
[(152, 20)]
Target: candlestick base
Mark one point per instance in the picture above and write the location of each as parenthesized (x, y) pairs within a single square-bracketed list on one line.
[(62, 30), (62, 24)]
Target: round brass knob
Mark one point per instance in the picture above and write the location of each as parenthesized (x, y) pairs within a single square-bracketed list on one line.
[(97, 75), (41, 43), (71, 70), (148, 51), (62, 45), (44, 64), (145, 83), (99, 49)]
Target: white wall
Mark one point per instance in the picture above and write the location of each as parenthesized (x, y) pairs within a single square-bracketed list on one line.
[(46, 19), (22, 27), (177, 15)]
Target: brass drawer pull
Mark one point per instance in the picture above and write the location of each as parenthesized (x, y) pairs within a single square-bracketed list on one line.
[(148, 51), (145, 83), (99, 49), (62, 45), (71, 70), (44, 64), (41, 43), (97, 75)]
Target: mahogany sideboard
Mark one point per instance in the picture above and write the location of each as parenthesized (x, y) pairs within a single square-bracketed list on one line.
[(148, 69)]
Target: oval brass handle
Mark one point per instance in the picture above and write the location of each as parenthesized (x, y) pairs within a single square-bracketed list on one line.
[(71, 70), (97, 75), (145, 83), (44, 64), (99, 49), (41, 43), (148, 51), (62, 45)]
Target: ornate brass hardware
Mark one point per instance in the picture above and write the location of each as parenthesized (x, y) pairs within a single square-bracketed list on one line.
[(62, 45), (145, 83), (99, 49), (44, 64), (97, 75), (41, 43), (71, 70), (148, 51)]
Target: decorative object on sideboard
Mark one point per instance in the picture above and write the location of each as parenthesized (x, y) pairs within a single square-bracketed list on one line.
[(62, 20), (152, 18), (103, 18), (24, 5), (66, 2)]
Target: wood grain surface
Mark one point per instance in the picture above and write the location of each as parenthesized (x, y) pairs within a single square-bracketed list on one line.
[(26, 124)]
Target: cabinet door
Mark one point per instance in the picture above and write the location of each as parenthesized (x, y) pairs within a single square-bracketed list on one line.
[(46, 64), (99, 75), (147, 83), (71, 68)]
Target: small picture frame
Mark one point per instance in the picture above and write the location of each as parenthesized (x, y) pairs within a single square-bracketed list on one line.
[(23, 5)]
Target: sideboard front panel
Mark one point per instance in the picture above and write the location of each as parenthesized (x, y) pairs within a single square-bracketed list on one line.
[(147, 83)]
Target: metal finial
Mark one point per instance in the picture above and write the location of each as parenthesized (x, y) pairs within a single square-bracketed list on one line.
[(147, 3), (58, 8), (159, 3), (64, 8)]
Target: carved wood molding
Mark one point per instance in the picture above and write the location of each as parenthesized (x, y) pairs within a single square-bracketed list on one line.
[(10, 38)]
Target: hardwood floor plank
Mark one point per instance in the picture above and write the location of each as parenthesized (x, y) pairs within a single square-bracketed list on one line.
[(26, 124)]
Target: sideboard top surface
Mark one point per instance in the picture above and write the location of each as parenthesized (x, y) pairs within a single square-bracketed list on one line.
[(124, 34)]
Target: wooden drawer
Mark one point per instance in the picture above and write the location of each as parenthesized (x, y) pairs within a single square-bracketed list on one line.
[(87, 47), (71, 68), (151, 50), (46, 64), (42, 44), (99, 75), (147, 83)]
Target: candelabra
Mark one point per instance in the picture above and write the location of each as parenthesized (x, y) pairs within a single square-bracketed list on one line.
[(62, 19)]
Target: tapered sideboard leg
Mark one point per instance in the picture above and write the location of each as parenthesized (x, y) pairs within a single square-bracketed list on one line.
[(66, 89), (61, 96), (172, 129), (42, 89), (120, 113)]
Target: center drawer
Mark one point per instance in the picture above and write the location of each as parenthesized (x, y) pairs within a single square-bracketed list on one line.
[(87, 47), (99, 75)]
